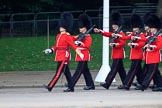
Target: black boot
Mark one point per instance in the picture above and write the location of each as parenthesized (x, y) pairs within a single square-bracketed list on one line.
[(69, 90), (47, 87), (140, 87), (104, 85), (89, 88), (123, 87), (157, 89)]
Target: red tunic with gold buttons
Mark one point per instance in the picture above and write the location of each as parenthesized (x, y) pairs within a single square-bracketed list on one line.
[(137, 51), (118, 51), (85, 49), (61, 47)]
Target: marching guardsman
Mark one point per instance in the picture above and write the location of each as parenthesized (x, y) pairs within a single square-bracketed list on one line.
[(117, 45), (147, 34), (61, 48), (84, 23), (136, 52), (152, 58)]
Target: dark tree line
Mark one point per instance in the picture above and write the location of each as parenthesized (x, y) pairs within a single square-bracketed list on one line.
[(16, 6)]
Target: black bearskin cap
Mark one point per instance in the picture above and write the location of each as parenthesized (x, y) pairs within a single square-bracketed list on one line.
[(154, 22), (136, 21), (146, 18), (84, 21), (66, 21), (117, 19)]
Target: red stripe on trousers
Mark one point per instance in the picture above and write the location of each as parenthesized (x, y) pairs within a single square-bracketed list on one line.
[(57, 74)]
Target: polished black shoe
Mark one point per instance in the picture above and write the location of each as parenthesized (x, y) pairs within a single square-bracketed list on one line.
[(104, 85), (140, 87), (69, 90), (48, 88), (126, 87), (89, 88), (157, 89), (123, 87)]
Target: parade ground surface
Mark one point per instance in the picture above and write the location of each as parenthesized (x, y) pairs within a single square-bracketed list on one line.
[(25, 90)]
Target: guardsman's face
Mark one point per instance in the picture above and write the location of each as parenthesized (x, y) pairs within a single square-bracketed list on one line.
[(153, 30), (146, 27), (62, 29), (135, 29), (82, 30), (115, 27)]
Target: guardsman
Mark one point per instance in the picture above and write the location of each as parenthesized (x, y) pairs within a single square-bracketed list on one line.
[(118, 52), (152, 58), (61, 48), (147, 34), (136, 52), (84, 23)]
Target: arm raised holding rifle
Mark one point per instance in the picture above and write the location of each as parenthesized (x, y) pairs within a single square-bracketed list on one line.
[(117, 45), (115, 35), (82, 36)]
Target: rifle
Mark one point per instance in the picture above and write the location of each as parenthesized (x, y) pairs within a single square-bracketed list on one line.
[(82, 35), (136, 35), (116, 32), (152, 39)]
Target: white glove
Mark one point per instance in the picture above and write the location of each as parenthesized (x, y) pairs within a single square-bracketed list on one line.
[(48, 51), (81, 56), (77, 43)]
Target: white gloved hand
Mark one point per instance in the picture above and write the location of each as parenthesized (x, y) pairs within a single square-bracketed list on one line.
[(77, 43), (48, 51)]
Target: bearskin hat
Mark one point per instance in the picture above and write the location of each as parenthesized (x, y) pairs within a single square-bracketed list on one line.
[(66, 21), (117, 19), (136, 21), (154, 22), (84, 21), (146, 18)]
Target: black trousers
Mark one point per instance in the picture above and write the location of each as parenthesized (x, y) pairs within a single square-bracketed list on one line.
[(82, 67), (117, 66), (134, 69), (61, 67), (145, 69), (152, 72)]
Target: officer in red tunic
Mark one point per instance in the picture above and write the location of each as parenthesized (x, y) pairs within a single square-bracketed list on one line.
[(84, 23), (136, 52), (61, 48), (152, 57), (118, 52)]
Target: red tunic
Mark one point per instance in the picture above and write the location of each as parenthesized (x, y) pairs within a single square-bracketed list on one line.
[(85, 49), (153, 56), (118, 51), (63, 41), (137, 51)]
